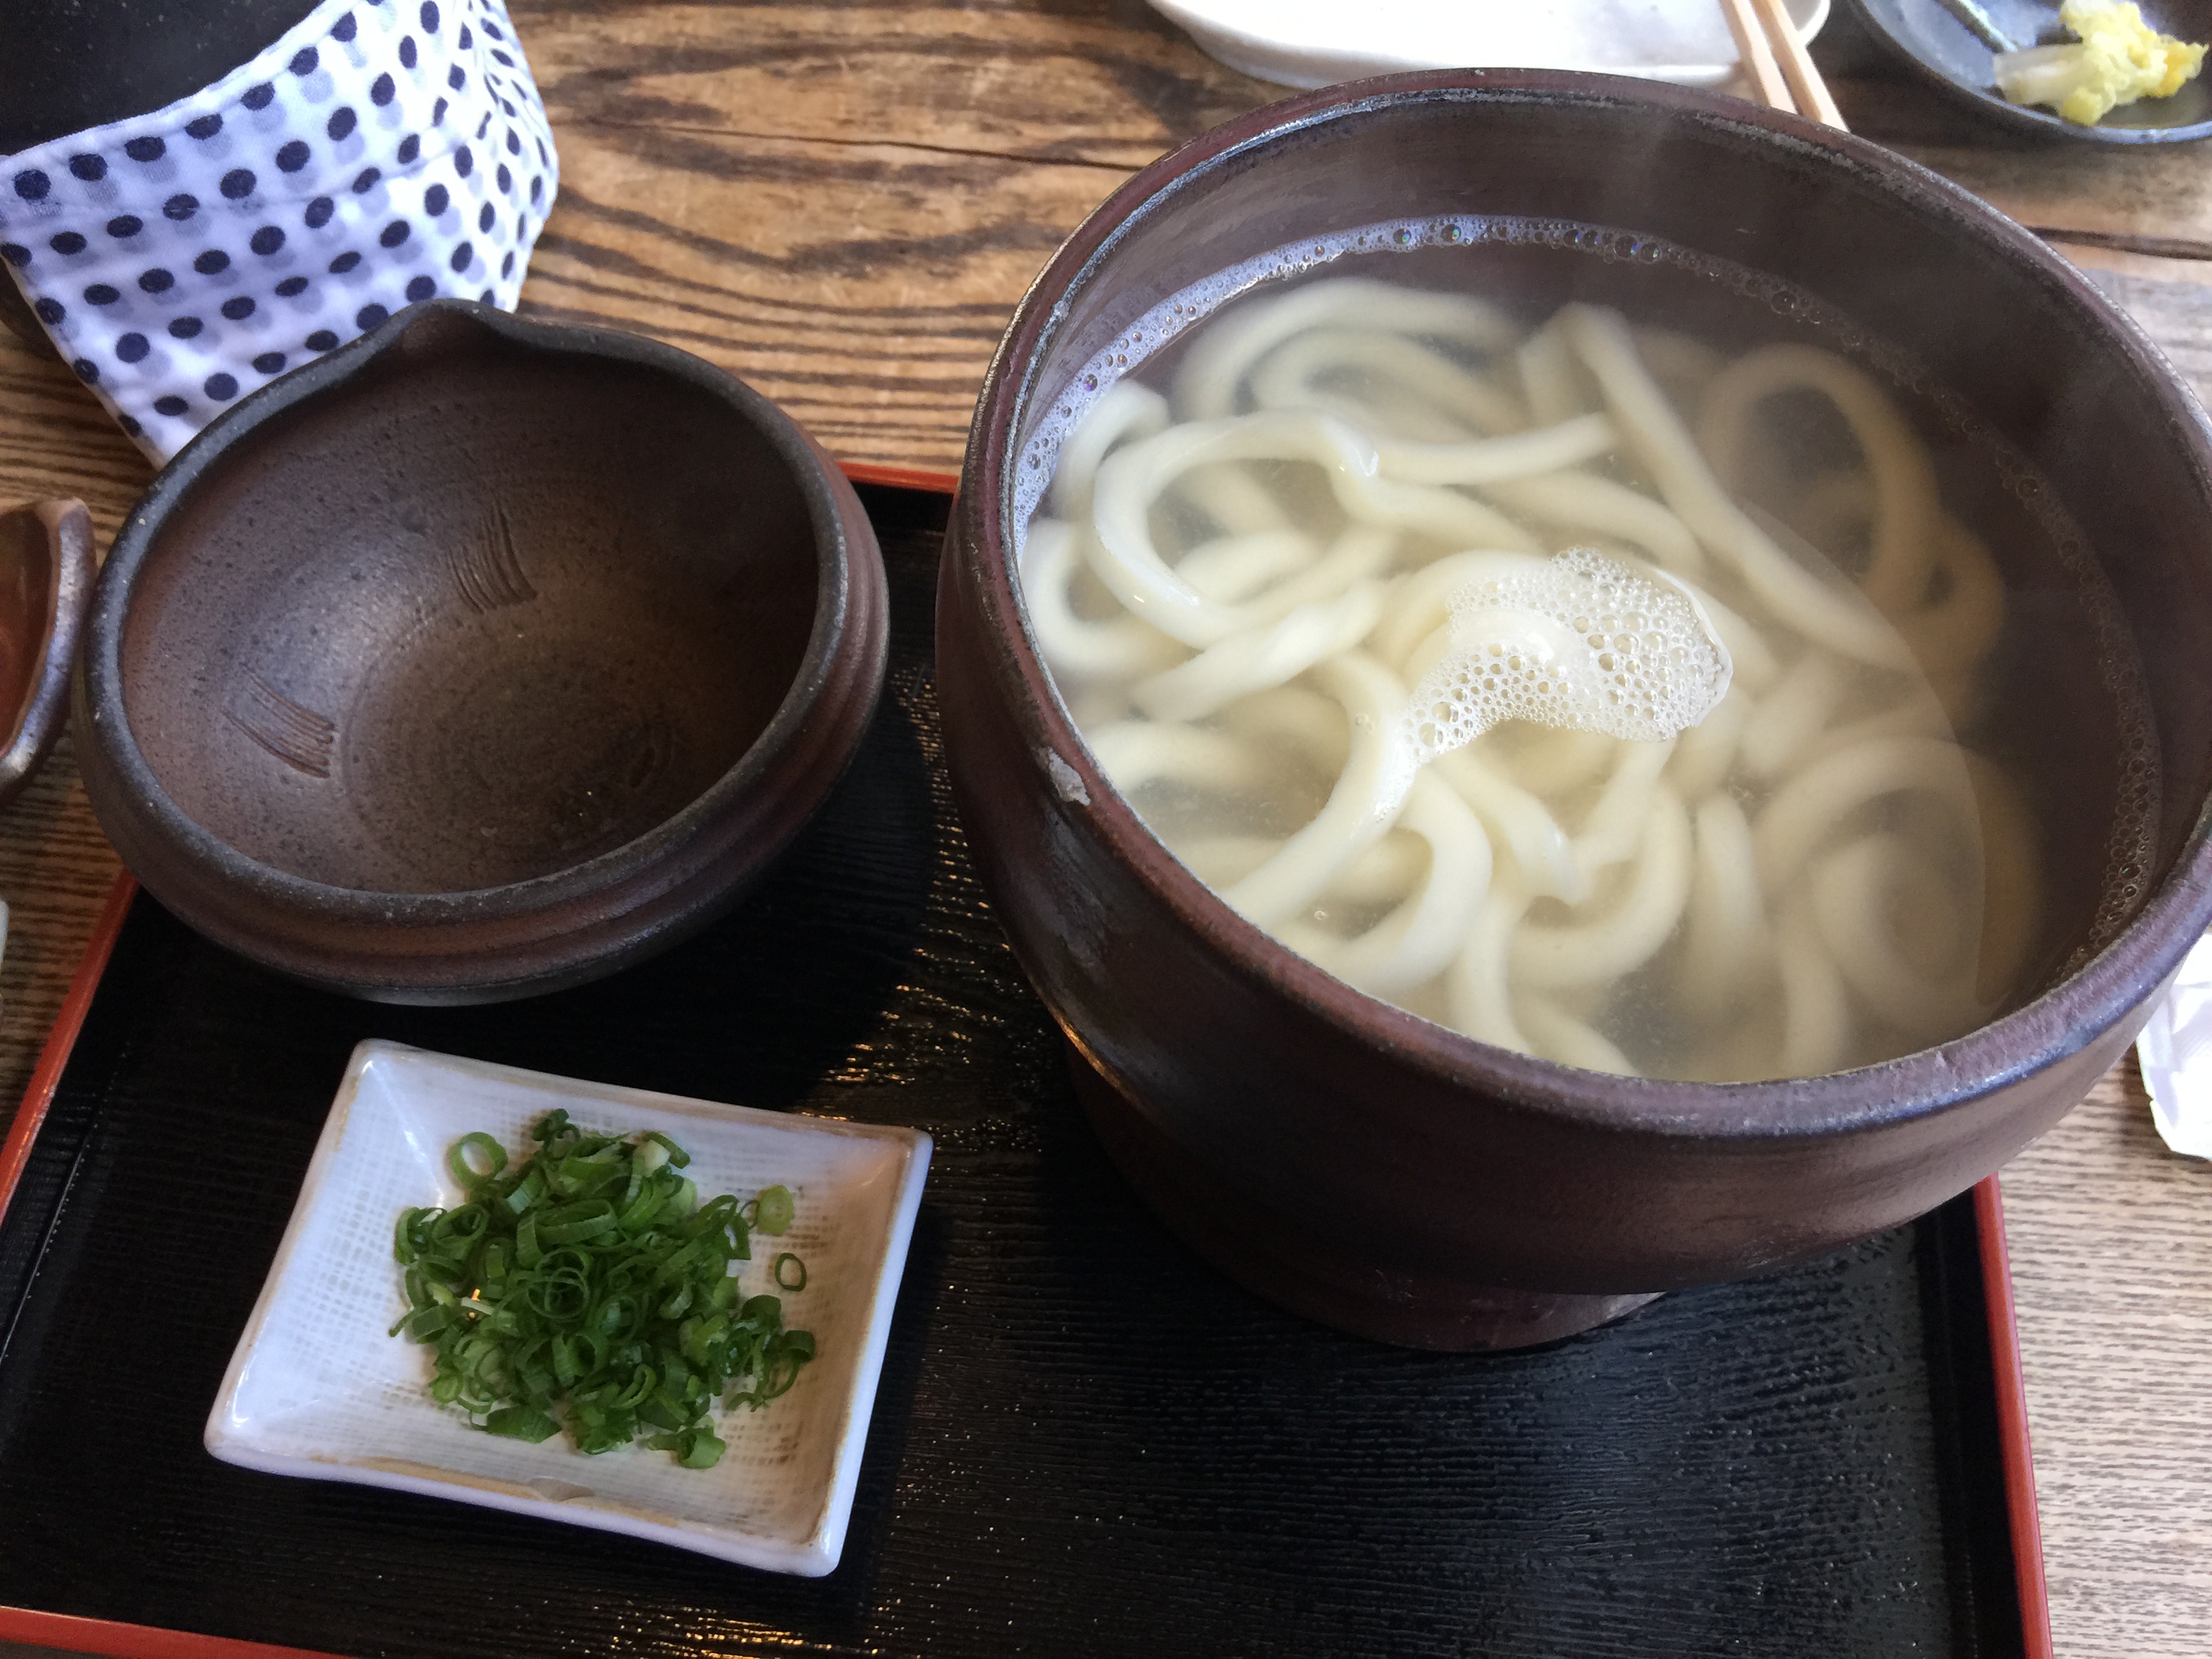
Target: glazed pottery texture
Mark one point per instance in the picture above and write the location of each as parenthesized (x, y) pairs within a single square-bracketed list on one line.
[(478, 659), (1390, 1176), (47, 571)]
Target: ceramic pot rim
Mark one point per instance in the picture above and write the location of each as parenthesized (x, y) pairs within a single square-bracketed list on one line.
[(242, 426), (2128, 970)]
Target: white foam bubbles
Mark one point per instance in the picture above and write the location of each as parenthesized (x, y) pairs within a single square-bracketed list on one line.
[(1580, 641)]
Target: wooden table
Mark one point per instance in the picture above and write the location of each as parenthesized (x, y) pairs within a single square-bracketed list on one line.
[(842, 204)]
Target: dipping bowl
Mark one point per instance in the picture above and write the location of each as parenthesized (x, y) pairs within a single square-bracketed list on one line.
[(1389, 1176), (478, 659)]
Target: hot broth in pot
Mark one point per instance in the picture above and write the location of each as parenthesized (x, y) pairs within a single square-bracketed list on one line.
[(1559, 675)]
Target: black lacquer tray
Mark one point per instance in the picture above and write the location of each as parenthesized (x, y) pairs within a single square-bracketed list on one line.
[(1085, 1443)]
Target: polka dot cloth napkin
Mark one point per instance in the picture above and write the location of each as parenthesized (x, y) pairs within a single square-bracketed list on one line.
[(382, 152)]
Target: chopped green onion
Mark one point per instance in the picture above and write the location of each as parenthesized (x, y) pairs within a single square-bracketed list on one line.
[(522, 1423), (476, 1159), (773, 1212), (589, 1289)]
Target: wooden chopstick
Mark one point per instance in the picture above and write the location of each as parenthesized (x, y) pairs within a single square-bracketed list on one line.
[(1780, 73), (1757, 56)]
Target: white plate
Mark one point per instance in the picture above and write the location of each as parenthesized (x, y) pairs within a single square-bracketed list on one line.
[(1316, 43), (317, 1388)]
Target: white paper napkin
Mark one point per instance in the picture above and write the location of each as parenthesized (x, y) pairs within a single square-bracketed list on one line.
[(2176, 1052)]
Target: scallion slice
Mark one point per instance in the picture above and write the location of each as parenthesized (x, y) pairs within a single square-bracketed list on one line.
[(476, 1158)]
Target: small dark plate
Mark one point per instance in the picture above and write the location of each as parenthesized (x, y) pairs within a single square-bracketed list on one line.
[(1944, 49)]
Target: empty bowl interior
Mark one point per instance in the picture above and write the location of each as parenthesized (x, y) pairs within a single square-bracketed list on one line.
[(473, 615), (2027, 391)]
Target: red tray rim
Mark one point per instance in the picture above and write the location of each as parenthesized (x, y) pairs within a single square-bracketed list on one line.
[(124, 1641)]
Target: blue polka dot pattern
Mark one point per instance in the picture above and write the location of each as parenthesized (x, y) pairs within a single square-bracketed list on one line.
[(302, 199)]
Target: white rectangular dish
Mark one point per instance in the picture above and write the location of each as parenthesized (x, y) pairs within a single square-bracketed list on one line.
[(317, 1388)]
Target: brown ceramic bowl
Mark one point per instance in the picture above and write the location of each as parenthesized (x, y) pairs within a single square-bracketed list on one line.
[(1387, 1175), (46, 576), (478, 659)]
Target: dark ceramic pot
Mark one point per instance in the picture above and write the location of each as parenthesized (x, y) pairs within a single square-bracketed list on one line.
[(478, 659), (1386, 1174)]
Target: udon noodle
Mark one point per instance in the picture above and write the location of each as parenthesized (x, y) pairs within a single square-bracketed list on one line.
[(1459, 656)]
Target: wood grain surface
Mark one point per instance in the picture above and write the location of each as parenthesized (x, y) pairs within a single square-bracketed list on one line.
[(842, 203), (2111, 1262)]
